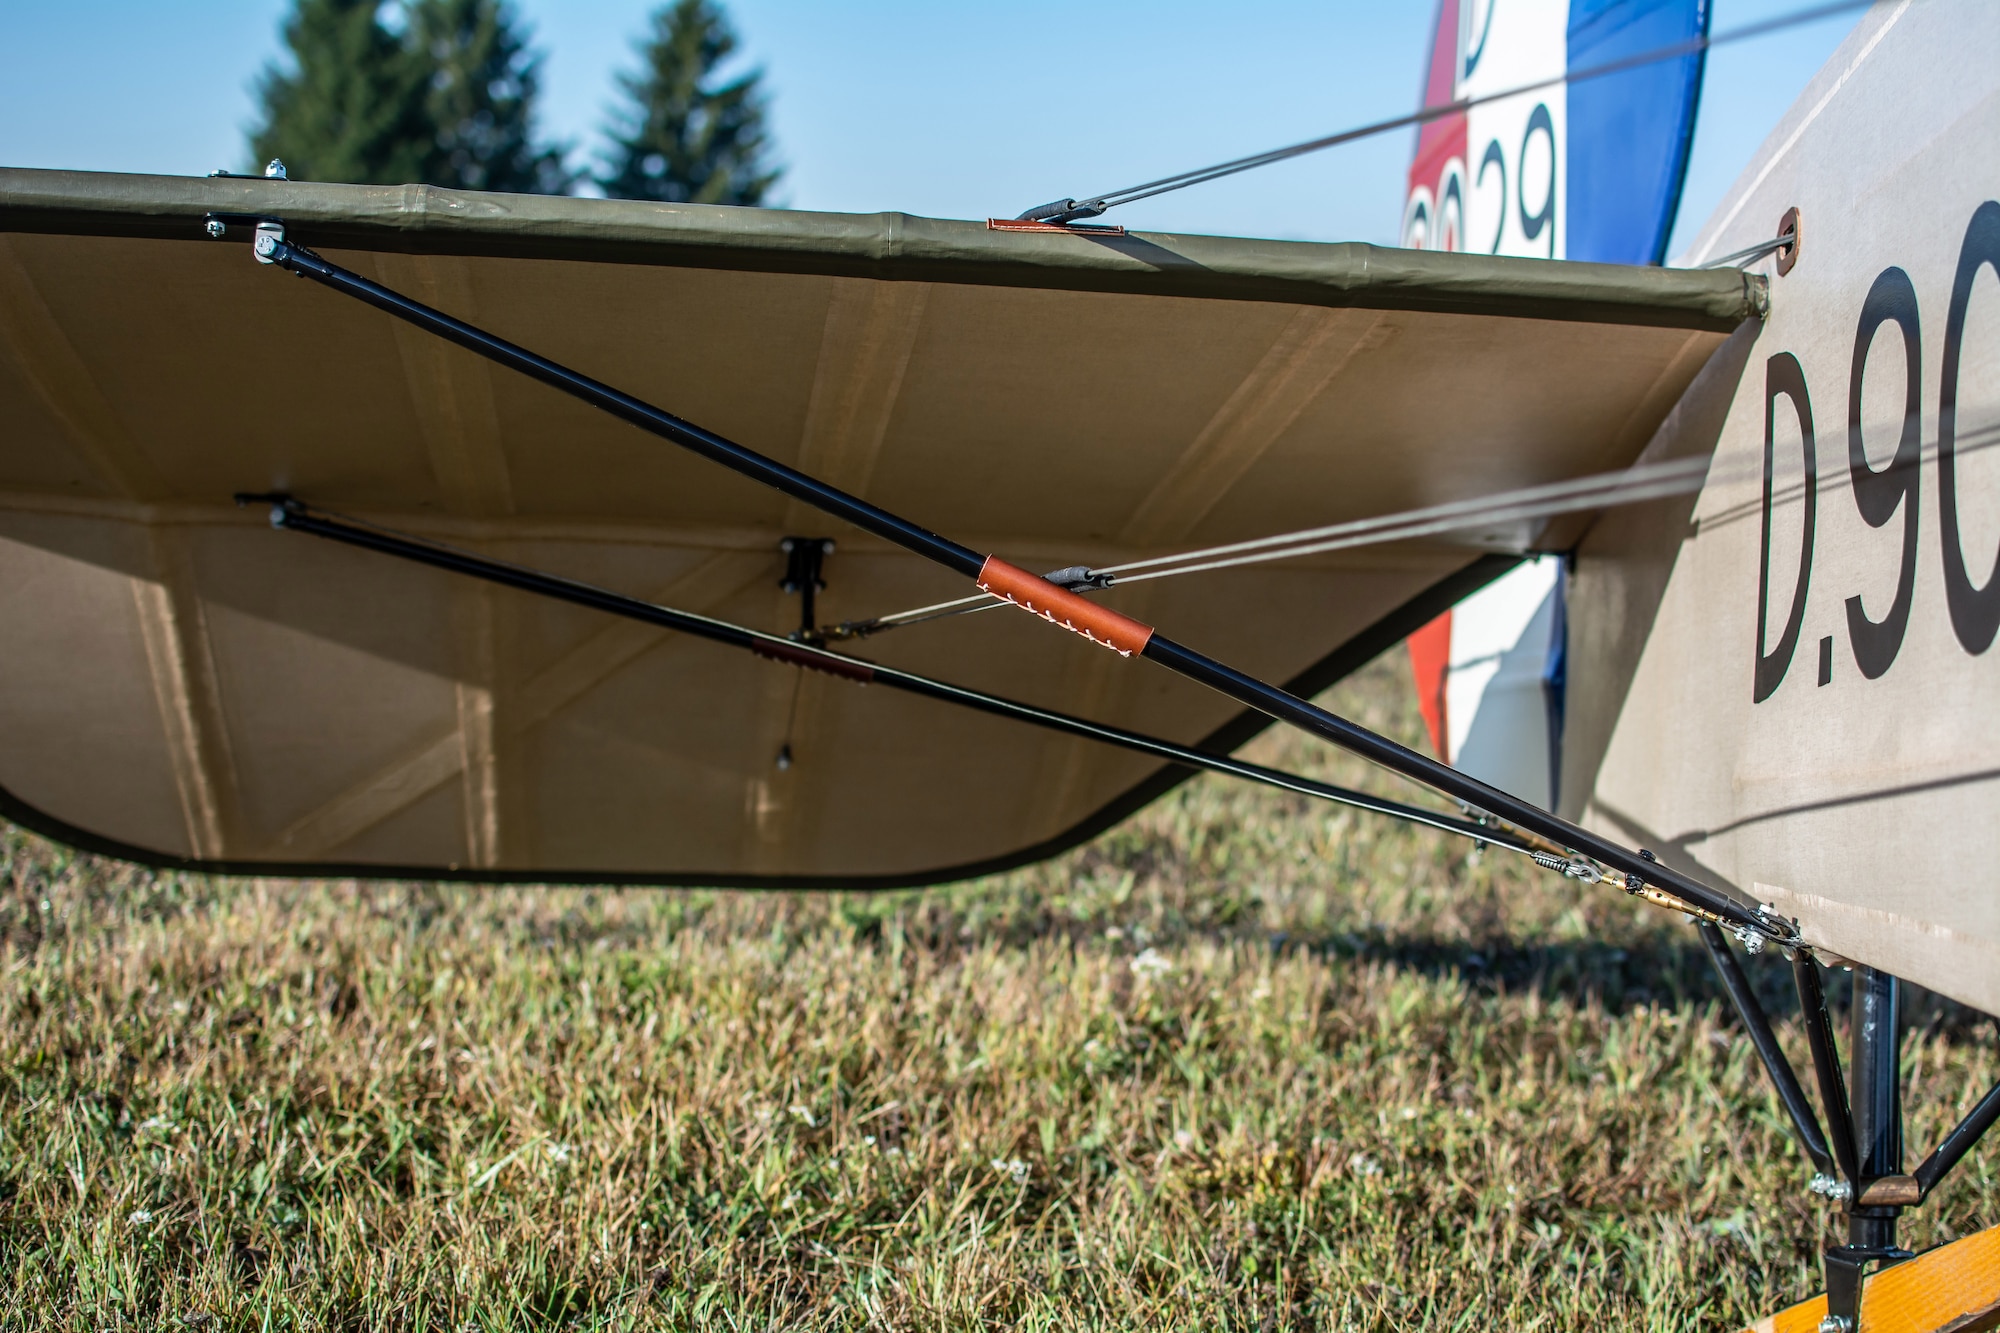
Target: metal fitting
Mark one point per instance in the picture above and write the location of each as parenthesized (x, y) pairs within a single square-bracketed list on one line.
[(1788, 231), (1570, 867), (1077, 578), (269, 236), (1836, 1323), (275, 170), (216, 229), (1831, 1187), (1751, 940)]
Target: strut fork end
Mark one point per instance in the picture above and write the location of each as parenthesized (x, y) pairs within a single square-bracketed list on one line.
[(270, 235)]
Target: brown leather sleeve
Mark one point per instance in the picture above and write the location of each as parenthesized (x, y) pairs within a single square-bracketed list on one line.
[(832, 664), (1059, 606)]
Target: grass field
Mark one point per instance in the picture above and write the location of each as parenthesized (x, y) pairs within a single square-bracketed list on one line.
[(1243, 1062)]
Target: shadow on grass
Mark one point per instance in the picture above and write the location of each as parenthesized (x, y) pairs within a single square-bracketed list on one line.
[(1660, 971)]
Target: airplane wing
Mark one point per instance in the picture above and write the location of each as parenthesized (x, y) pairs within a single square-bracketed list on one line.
[(185, 686)]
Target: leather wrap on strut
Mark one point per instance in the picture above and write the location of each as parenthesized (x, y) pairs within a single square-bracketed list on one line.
[(1059, 606), (832, 664)]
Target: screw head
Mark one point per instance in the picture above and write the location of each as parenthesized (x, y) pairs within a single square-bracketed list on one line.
[(216, 228)]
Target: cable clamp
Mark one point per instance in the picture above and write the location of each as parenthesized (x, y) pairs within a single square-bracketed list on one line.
[(1077, 578), (1060, 211)]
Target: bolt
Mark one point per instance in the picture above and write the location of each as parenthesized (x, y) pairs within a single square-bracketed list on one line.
[(275, 170), (217, 228), (1836, 1323)]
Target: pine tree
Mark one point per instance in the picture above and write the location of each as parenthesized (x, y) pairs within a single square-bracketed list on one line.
[(447, 100), (353, 109), (481, 99), (680, 139)]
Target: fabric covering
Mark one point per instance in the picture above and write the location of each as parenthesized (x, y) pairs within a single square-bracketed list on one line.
[(182, 682)]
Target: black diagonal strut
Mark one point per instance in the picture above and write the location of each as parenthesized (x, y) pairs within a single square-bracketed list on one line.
[(1958, 1143), (1248, 690), (1804, 1123), (1826, 1065), (290, 515)]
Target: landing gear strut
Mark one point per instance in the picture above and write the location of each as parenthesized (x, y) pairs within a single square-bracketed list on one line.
[(1858, 1159)]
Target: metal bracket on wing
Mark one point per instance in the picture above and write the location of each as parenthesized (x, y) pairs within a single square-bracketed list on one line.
[(267, 232), (805, 559)]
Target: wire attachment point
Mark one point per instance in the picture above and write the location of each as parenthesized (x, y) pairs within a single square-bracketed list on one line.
[(1570, 867), (1078, 578), (1060, 211)]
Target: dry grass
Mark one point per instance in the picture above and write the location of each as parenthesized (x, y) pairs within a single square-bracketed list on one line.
[(1240, 1063)]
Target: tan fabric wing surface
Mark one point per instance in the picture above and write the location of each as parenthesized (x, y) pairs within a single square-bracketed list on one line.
[(181, 681)]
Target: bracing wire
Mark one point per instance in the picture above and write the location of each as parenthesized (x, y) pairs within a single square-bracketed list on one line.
[(1750, 254), (1090, 206), (1630, 486), (1634, 485)]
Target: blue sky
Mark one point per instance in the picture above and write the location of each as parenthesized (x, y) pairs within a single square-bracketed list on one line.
[(946, 109)]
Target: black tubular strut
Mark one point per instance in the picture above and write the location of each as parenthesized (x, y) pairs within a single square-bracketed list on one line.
[(1826, 1064), (1959, 1142), (1864, 1115), (1804, 1123), (1874, 1044), (645, 416), (963, 560), (290, 515), (1350, 736)]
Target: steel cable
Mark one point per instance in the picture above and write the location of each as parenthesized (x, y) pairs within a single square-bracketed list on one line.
[(1090, 206)]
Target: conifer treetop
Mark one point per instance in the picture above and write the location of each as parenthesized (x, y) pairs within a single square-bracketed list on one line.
[(681, 136), (445, 97)]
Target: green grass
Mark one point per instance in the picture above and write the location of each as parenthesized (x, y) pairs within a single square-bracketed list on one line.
[(1243, 1062)]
